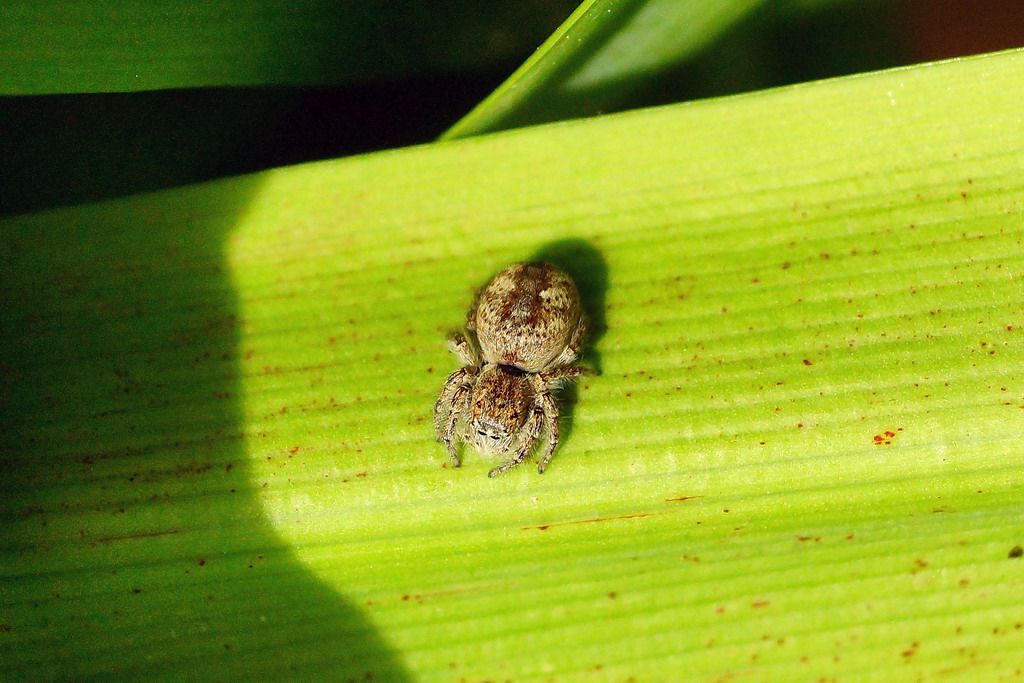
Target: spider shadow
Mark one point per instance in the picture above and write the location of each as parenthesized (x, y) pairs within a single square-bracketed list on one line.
[(588, 268)]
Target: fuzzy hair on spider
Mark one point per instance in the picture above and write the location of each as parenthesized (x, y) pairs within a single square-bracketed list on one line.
[(525, 330)]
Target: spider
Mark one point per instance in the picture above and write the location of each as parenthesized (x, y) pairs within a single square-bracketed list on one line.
[(528, 327)]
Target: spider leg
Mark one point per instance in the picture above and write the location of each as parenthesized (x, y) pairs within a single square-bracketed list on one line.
[(572, 350), (564, 373), (459, 405), (528, 437), (471, 313), (464, 350), (452, 402), (444, 401), (550, 414)]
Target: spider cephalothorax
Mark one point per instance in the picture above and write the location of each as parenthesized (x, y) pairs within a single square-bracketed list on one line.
[(526, 327)]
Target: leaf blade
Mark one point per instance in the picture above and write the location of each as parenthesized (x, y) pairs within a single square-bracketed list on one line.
[(698, 506), (603, 53), (110, 46)]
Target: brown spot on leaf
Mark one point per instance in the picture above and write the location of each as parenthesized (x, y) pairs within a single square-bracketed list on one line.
[(130, 537), (886, 437), (1015, 552), (545, 527)]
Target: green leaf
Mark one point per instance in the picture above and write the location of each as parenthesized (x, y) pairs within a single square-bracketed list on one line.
[(801, 459), (604, 53), (114, 46)]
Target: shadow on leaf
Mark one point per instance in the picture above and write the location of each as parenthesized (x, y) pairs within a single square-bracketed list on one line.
[(134, 545), (588, 268)]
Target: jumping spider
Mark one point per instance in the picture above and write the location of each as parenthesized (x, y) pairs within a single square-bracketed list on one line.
[(528, 326)]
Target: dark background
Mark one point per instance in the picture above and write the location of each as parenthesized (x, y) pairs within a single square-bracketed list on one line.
[(65, 149)]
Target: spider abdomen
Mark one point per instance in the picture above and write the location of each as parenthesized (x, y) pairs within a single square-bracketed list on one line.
[(526, 316)]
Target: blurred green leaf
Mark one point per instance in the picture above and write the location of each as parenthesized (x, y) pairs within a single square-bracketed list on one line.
[(604, 53), (49, 46), (800, 461)]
